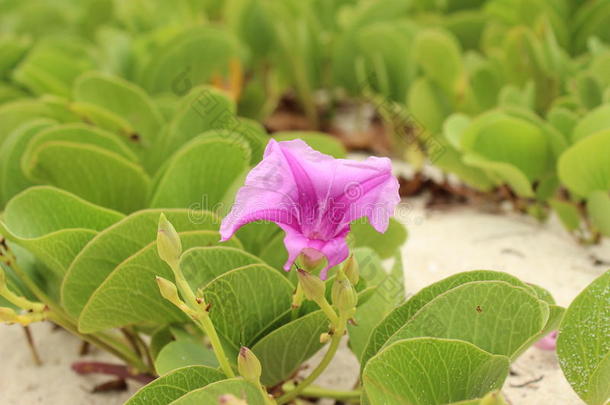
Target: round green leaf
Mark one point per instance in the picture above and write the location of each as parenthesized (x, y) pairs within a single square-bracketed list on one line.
[(282, 351), (200, 173), (585, 166), (494, 315), (246, 301), (129, 294), (53, 224), (583, 346), (403, 313), (211, 393), (183, 353), (428, 371), (170, 387), (95, 174), (117, 243)]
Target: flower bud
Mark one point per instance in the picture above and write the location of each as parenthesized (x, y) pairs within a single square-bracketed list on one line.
[(352, 270), (169, 245), (229, 399), (248, 365), (313, 287), (324, 337), (169, 291), (344, 296)]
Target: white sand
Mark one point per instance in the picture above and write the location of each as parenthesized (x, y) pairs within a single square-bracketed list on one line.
[(440, 243)]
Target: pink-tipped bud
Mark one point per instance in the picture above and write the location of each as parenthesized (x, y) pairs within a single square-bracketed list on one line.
[(248, 365), (313, 287)]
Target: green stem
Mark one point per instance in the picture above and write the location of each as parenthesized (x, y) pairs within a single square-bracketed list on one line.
[(319, 392), (59, 317), (297, 300), (202, 318), (328, 310), (183, 286), (332, 350), (208, 327), (265, 394)]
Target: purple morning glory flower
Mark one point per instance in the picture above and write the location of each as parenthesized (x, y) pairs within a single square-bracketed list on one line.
[(313, 197)]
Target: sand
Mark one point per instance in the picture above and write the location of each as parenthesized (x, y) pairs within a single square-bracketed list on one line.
[(440, 243)]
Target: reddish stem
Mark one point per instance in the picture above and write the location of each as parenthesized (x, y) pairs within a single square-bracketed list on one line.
[(117, 370)]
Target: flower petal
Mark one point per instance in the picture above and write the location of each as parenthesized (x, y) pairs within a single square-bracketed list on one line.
[(269, 193)]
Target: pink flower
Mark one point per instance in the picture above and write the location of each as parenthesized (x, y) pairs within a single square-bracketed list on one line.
[(549, 342), (313, 197)]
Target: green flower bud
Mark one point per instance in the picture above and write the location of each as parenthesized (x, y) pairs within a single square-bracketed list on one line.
[(169, 291), (344, 296), (352, 270), (313, 287), (248, 365), (169, 245)]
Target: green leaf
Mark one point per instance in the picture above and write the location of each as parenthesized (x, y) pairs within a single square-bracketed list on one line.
[(568, 213), (246, 301), (402, 314), (95, 174), (429, 105), (132, 285), (183, 59), (16, 113), (598, 208), (12, 179), (450, 160), (439, 55), (384, 244), (429, 371), (585, 166), (53, 224), (125, 100), (256, 236), (170, 387), (200, 265), (504, 172), (202, 109), (503, 139), (274, 252), (453, 128), (211, 393), (183, 353), (583, 346), (388, 291), (317, 140), (52, 65), (199, 174), (284, 350), (77, 134), (493, 398), (494, 315), (117, 243), (595, 121)]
